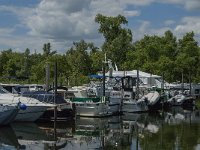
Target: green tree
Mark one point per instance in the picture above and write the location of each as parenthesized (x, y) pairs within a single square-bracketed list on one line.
[(188, 56), (47, 50), (118, 40), (79, 61)]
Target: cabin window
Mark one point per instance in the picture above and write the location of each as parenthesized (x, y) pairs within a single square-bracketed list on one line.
[(2, 92), (197, 91)]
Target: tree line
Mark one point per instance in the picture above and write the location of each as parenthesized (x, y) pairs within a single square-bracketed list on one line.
[(153, 54)]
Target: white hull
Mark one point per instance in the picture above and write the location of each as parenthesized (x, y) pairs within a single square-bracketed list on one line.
[(152, 97), (31, 114), (114, 108), (34, 108), (96, 109), (177, 100), (133, 106)]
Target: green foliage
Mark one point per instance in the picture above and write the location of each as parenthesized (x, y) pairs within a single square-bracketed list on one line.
[(118, 40), (154, 54)]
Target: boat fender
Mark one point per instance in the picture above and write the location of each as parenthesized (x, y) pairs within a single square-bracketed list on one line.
[(22, 106)]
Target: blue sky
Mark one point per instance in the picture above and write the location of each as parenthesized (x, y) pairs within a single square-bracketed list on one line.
[(31, 23)]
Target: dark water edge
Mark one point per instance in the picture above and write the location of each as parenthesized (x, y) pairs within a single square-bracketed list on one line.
[(175, 129)]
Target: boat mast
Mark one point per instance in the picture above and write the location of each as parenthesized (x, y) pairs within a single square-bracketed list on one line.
[(182, 82), (190, 91), (55, 93), (137, 85), (104, 78), (47, 69)]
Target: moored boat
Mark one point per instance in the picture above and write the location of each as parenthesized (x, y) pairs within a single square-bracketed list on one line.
[(91, 107), (33, 108)]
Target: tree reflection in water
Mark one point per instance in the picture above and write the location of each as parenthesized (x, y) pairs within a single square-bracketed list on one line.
[(175, 129)]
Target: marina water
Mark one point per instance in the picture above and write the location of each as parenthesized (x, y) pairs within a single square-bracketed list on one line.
[(174, 129)]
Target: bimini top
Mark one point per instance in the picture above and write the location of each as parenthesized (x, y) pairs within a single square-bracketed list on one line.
[(132, 73)]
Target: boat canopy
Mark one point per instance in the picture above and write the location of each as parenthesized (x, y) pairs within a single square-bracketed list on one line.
[(88, 99)]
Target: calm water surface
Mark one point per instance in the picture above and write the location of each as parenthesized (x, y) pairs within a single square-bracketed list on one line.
[(177, 129)]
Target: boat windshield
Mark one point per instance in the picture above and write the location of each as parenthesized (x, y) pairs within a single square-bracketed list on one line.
[(2, 90)]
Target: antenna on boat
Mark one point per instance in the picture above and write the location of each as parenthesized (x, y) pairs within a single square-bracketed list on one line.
[(105, 58), (116, 68)]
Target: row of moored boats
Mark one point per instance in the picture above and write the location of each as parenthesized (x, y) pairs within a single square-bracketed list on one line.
[(122, 92)]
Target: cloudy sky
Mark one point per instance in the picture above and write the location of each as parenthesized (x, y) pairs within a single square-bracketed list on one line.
[(31, 23)]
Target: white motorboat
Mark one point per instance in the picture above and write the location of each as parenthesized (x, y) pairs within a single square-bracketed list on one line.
[(32, 109), (95, 105), (91, 107), (180, 99), (131, 101)]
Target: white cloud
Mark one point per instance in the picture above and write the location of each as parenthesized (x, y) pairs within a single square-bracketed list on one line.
[(53, 19), (19, 11), (192, 4), (6, 31), (63, 21), (144, 26), (66, 20), (131, 13), (138, 2), (188, 4), (189, 24), (169, 22)]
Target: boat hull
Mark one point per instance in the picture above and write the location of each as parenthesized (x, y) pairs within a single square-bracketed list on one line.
[(134, 107), (8, 115), (31, 114), (92, 110)]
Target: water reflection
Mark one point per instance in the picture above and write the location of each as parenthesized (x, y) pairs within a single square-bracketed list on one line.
[(175, 129), (8, 138), (97, 133), (30, 136)]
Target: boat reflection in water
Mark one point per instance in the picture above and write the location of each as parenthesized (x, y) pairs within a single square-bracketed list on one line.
[(175, 129), (8, 139), (30, 136), (99, 133)]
